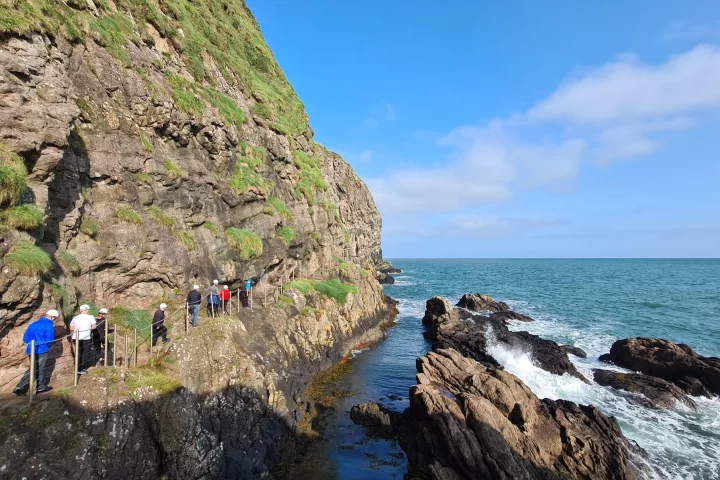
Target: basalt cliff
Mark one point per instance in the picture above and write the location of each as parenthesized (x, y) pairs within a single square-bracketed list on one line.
[(145, 147)]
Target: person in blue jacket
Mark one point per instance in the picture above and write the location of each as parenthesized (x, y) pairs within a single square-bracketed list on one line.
[(43, 332)]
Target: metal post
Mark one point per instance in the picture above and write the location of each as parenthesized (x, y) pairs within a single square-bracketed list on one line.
[(107, 332), (151, 339), (31, 392), (250, 293), (77, 355), (126, 359), (238, 303), (187, 316), (264, 294), (135, 345), (114, 342)]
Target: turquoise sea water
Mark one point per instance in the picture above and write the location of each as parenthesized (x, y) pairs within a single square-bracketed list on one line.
[(587, 303)]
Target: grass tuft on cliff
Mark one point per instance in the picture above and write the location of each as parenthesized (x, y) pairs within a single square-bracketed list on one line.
[(281, 209), (310, 180), (247, 169), (186, 239), (28, 259), (147, 377), (248, 243), (172, 169), (62, 297), (335, 289), (301, 285), (127, 319), (89, 227), (143, 177), (212, 228), (68, 262), (128, 215), (23, 217), (286, 234), (160, 218), (13, 174)]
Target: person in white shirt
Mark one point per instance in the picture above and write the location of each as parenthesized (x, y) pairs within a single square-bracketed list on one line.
[(81, 327)]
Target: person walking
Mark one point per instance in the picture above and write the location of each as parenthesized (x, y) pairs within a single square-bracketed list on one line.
[(214, 298), (158, 327), (81, 327), (43, 332), (194, 298), (98, 336), (225, 299)]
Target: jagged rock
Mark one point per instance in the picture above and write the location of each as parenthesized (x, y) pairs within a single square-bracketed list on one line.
[(470, 421), (510, 315), (661, 393), (572, 350), (472, 335), (385, 279), (379, 420), (695, 374), (478, 302)]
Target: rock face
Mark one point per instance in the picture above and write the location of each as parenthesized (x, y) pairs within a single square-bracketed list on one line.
[(660, 393), (379, 420), (472, 335), (470, 421), (676, 363), (385, 279)]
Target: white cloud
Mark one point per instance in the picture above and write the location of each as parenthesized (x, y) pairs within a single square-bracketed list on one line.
[(629, 90), (381, 112)]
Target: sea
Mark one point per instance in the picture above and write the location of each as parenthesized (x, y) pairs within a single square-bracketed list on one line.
[(588, 303)]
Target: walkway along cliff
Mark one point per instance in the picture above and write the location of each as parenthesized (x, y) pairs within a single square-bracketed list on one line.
[(145, 147)]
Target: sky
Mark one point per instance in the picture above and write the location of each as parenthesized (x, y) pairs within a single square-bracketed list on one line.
[(517, 129)]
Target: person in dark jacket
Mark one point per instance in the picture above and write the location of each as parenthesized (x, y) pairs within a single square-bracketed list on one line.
[(43, 332), (194, 298), (98, 336), (158, 327)]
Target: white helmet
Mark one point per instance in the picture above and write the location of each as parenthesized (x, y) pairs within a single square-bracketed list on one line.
[(196, 287), (162, 305), (103, 310), (52, 313), (84, 308), (215, 282)]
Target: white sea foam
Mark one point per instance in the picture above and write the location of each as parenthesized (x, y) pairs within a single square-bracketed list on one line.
[(681, 444)]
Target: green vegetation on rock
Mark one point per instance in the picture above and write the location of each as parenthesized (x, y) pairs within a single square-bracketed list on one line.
[(191, 97), (159, 216), (280, 207), (128, 319), (172, 169), (248, 243), (68, 262), (214, 230), (146, 143), (301, 285), (147, 377), (310, 180), (143, 177), (89, 227), (28, 259), (23, 217), (62, 297), (128, 215), (186, 239), (286, 234), (13, 174), (335, 289), (247, 169)]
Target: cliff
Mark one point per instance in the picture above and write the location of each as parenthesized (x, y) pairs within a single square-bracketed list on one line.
[(147, 146)]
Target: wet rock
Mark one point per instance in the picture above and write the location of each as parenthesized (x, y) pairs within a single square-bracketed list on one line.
[(478, 302), (510, 315), (472, 334), (572, 350), (470, 421), (680, 364), (385, 279), (661, 393), (379, 420)]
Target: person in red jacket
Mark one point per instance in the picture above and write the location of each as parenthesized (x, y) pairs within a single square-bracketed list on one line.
[(225, 299)]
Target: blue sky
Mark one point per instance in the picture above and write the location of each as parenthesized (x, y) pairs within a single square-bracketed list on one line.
[(518, 129)]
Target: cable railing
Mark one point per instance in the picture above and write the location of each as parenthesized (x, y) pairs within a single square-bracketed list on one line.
[(127, 345)]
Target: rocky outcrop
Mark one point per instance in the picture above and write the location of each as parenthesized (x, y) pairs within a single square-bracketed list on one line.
[(572, 350), (478, 302), (379, 421), (471, 421), (660, 393), (473, 334), (676, 363), (385, 279)]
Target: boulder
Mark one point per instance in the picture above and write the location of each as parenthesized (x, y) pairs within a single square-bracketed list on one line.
[(379, 420), (471, 421), (510, 315), (661, 393), (385, 279), (479, 302), (680, 364), (572, 350)]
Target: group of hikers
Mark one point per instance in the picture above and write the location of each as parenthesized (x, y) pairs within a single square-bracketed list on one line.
[(88, 332)]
